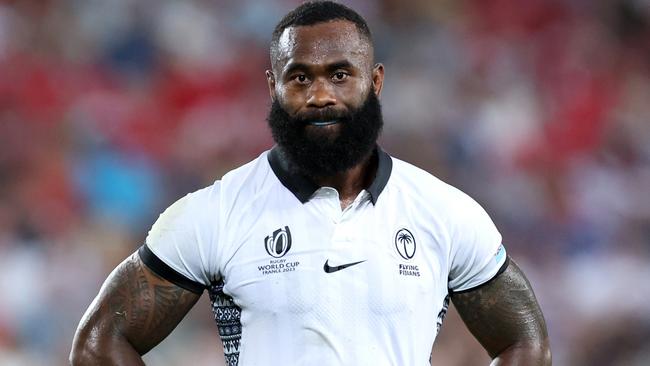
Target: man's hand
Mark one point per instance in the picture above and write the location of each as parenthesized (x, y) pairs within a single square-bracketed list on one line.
[(134, 311), (505, 318)]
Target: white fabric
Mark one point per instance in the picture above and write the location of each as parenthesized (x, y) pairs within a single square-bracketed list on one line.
[(382, 311)]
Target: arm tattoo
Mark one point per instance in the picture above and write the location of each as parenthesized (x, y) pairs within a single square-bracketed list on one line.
[(141, 306), (503, 312)]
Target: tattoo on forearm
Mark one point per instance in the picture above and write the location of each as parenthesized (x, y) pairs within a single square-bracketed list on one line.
[(502, 311), (142, 307)]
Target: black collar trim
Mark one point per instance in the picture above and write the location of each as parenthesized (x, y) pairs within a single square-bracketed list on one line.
[(303, 188)]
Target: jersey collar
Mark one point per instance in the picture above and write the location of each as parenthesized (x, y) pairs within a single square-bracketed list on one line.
[(303, 188)]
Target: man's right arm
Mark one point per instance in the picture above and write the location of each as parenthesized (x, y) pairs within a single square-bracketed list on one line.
[(133, 312)]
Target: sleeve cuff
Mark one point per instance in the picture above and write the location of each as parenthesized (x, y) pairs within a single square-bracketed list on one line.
[(504, 266), (163, 270)]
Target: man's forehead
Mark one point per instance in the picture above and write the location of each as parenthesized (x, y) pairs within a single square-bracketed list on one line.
[(329, 39)]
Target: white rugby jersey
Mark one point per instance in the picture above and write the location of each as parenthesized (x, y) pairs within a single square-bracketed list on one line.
[(296, 280)]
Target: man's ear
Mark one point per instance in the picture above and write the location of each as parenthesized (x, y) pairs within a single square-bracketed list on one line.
[(270, 80), (378, 78)]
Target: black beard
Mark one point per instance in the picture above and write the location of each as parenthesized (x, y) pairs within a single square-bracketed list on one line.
[(324, 154)]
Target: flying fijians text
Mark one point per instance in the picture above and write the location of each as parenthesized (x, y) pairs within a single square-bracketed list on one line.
[(409, 270)]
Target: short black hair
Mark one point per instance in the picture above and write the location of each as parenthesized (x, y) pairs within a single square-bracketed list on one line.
[(314, 12)]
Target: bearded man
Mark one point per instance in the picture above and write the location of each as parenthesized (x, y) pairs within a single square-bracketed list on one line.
[(324, 250)]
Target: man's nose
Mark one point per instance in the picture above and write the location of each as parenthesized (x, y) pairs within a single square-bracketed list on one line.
[(321, 94)]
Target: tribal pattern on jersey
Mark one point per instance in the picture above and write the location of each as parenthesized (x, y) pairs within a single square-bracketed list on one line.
[(442, 313), (228, 317)]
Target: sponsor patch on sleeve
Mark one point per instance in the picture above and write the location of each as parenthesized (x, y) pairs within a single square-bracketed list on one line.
[(500, 254)]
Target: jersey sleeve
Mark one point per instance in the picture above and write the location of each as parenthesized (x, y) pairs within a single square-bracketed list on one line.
[(181, 243), (477, 254)]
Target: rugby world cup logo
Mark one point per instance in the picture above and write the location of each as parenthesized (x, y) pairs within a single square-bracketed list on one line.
[(405, 243), (278, 243)]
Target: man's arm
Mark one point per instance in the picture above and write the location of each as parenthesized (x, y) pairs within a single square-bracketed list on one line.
[(134, 310), (505, 318)]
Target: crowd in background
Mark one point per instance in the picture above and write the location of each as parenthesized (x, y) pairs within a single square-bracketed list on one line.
[(539, 109)]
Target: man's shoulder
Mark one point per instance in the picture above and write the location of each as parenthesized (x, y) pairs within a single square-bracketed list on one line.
[(427, 190), (248, 181), (410, 177), (432, 196), (247, 171), (243, 177)]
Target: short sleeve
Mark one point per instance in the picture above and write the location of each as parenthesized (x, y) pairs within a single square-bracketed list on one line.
[(477, 254), (181, 242)]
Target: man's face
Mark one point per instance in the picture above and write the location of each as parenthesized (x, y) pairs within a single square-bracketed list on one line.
[(325, 113)]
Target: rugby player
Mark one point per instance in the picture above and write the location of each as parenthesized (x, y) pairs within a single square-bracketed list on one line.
[(324, 250)]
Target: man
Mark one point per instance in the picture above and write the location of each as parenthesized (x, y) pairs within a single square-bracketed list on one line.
[(324, 250)]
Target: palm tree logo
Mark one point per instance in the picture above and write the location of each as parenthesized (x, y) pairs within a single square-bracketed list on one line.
[(405, 243)]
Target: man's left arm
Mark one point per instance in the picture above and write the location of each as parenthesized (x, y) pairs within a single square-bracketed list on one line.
[(506, 319)]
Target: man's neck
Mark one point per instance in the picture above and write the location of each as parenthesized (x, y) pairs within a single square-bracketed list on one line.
[(352, 181)]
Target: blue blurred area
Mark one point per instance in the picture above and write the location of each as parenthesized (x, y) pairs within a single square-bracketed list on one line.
[(110, 111), (134, 54), (119, 188)]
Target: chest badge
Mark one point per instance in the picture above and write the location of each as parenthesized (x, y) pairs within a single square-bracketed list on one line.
[(278, 243), (405, 243)]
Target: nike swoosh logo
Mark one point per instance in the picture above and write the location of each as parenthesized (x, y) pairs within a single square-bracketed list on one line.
[(330, 269)]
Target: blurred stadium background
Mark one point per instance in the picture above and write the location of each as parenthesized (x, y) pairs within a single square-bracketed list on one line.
[(111, 110)]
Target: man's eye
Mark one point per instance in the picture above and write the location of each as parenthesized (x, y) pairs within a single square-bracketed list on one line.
[(340, 76), (301, 78)]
